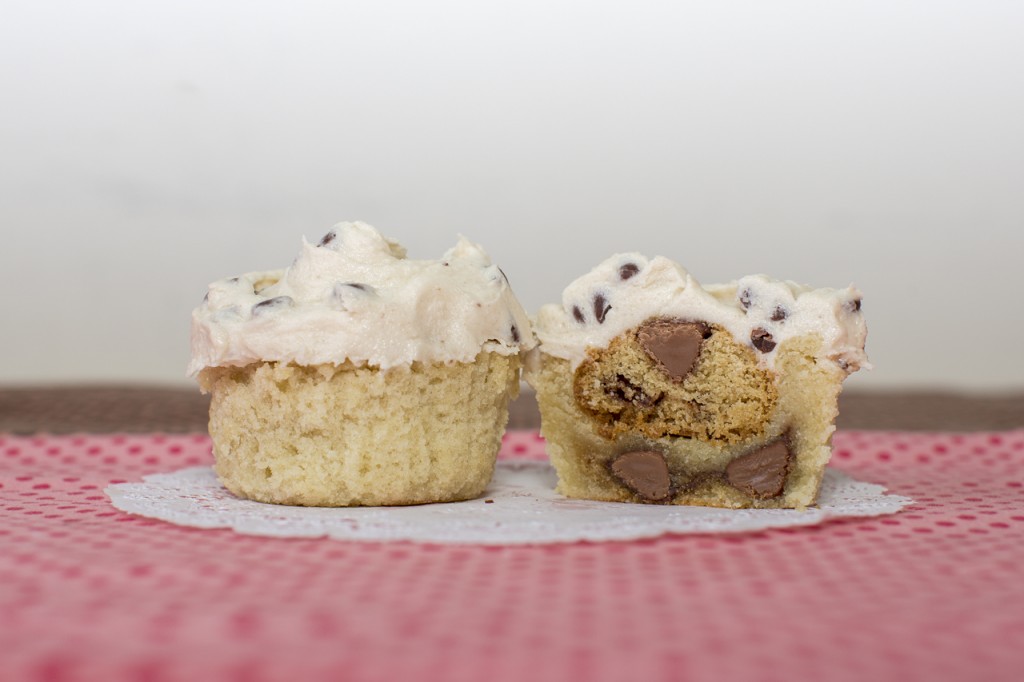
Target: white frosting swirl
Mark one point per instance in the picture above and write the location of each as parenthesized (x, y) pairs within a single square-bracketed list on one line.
[(627, 289), (356, 297)]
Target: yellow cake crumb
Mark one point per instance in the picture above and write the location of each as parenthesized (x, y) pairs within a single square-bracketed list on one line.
[(341, 435)]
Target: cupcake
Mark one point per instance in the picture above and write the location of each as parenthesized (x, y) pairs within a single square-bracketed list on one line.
[(655, 389), (357, 376)]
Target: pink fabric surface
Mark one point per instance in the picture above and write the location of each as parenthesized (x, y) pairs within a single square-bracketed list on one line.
[(90, 593)]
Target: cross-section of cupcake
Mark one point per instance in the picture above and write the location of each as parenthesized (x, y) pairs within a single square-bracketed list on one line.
[(358, 376), (655, 389)]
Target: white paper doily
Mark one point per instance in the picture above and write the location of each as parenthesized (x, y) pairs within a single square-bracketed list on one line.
[(520, 506)]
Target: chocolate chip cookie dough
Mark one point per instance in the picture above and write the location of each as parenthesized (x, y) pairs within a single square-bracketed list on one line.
[(655, 389)]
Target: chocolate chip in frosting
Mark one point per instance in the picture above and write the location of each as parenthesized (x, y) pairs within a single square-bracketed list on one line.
[(853, 305), (328, 238), (272, 304), (515, 334), (628, 270), (347, 293), (645, 472), (762, 340), (746, 298), (673, 344), (761, 473), (577, 314), (366, 288), (601, 308), (779, 314)]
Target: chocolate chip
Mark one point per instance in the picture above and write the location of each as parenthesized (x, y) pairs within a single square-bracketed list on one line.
[(515, 334), (853, 305), (762, 340), (673, 344), (357, 285), (629, 392), (601, 308), (645, 473), (577, 314), (328, 238), (745, 298), (272, 304), (233, 280), (628, 270), (348, 294), (779, 314), (488, 501), (761, 473)]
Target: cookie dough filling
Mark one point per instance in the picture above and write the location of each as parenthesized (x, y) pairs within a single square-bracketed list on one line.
[(655, 389), (672, 377)]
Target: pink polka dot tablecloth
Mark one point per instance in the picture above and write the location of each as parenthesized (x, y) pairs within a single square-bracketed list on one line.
[(933, 593)]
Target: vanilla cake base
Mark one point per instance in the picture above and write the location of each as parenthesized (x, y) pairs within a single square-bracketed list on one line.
[(331, 435), (728, 433)]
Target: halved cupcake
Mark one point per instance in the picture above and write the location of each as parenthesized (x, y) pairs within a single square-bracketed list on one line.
[(655, 389)]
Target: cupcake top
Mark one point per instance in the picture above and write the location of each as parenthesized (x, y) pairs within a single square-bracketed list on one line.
[(627, 289), (354, 296)]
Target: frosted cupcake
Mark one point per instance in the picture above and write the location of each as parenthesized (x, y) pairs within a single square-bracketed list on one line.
[(655, 389), (358, 376)]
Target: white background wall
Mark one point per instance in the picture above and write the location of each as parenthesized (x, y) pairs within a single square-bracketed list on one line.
[(148, 148)]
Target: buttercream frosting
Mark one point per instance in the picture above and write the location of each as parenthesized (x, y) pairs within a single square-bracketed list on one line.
[(356, 297), (627, 289)]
